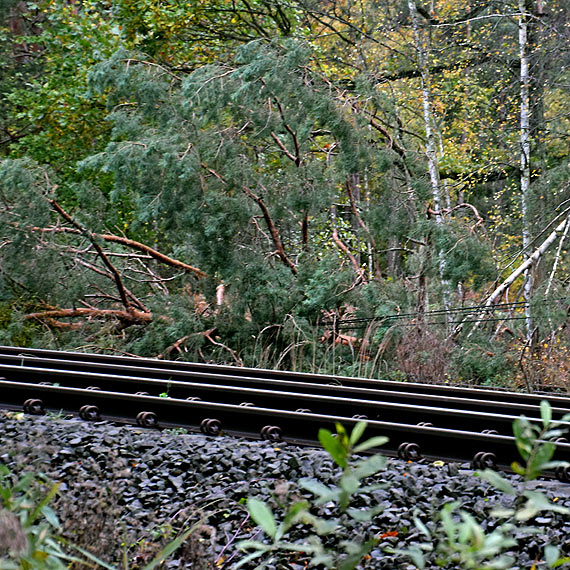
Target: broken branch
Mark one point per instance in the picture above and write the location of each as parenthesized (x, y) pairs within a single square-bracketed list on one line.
[(133, 245)]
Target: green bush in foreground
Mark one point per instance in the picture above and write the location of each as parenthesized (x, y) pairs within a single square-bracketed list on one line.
[(29, 528), (458, 541)]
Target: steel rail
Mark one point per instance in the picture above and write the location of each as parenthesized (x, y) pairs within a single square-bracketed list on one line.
[(274, 424), (344, 403), (241, 396), (474, 415), (375, 391), (153, 367)]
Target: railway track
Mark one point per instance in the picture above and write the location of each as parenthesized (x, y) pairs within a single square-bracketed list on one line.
[(438, 422)]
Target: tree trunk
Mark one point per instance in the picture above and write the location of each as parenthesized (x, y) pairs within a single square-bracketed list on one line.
[(431, 149), (525, 140)]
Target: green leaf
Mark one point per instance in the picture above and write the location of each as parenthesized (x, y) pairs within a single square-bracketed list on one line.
[(246, 544), (90, 556), (250, 557), (318, 488), (542, 456), (554, 464), (50, 516), (421, 526), (537, 502), (333, 447), (502, 513), (322, 526), (357, 432), (498, 481), (360, 515), (415, 553), (545, 413), (326, 560), (370, 443), (262, 515), (300, 547), (342, 436), (366, 514), (518, 468), (349, 483), (369, 466), (523, 431), (171, 548), (551, 555), (553, 433), (294, 514), (353, 559), (36, 512)]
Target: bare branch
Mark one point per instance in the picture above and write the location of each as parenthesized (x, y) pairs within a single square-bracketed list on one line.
[(132, 244), (522, 268), (84, 231), (207, 335), (277, 243), (288, 154), (131, 317), (444, 211)]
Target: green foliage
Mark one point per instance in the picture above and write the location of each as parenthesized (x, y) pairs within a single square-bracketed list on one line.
[(458, 539), (61, 123), (468, 259), (481, 362), (348, 554), (278, 147), (29, 529), (28, 524), (533, 443), (462, 540)]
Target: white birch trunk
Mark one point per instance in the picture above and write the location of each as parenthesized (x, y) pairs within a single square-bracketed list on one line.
[(431, 150), (525, 155)]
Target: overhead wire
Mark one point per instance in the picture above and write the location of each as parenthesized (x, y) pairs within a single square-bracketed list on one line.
[(454, 311)]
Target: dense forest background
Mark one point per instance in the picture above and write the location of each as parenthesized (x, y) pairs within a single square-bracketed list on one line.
[(363, 187)]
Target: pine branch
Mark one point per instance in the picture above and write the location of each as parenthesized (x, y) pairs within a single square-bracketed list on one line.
[(133, 245), (84, 231), (278, 244), (297, 156)]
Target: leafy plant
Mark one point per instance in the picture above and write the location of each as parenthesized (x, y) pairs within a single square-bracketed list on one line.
[(29, 523), (29, 529), (341, 447), (462, 540)]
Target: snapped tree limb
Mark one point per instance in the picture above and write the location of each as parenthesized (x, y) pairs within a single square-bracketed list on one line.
[(278, 244), (521, 269), (133, 245), (129, 317), (84, 231)]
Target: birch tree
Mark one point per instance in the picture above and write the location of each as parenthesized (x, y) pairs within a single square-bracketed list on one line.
[(525, 146), (423, 52)]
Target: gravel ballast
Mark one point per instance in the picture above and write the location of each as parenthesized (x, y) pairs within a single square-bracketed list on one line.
[(125, 488)]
